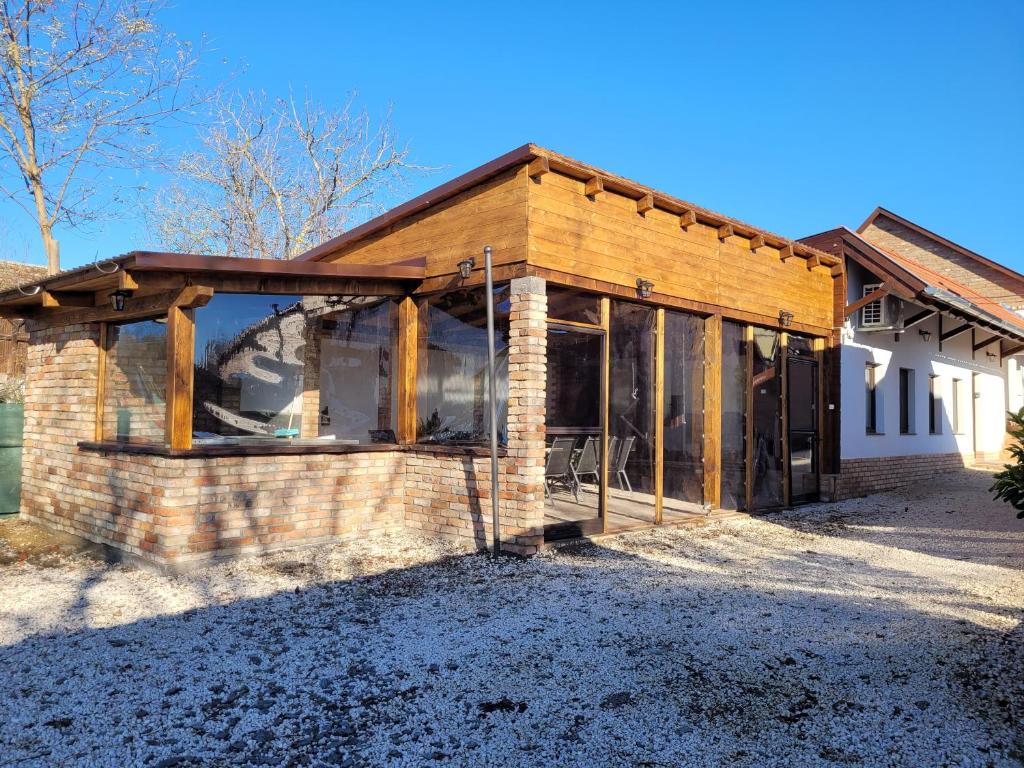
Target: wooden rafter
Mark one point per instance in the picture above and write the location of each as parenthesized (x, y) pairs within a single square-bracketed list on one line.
[(955, 332), (63, 299), (875, 295), (725, 232), (645, 204), (980, 345), (687, 218), (757, 241), (538, 167), (786, 252), (920, 317), (594, 186)]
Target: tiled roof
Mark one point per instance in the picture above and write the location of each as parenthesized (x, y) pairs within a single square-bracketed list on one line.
[(14, 273)]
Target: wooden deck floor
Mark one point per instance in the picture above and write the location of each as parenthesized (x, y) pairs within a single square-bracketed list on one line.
[(564, 517)]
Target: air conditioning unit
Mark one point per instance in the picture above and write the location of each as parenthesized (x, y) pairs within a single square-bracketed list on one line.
[(884, 314)]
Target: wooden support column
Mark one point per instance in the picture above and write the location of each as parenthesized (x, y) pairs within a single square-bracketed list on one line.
[(821, 415), (713, 411), (748, 421), (606, 322), (408, 333), (784, 384), (659, 415), (180, 350), (101, 379)]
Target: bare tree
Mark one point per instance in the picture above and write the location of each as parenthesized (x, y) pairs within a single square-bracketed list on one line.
[(83, 84), (272, 180)]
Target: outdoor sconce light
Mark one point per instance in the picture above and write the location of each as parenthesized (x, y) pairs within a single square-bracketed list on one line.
[(785, 318), (644, 288), (926, 335), (465, 266), (991, 355), (117, 300)]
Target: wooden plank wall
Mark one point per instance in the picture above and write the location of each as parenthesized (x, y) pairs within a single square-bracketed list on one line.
[(491, 213), (604, 237)]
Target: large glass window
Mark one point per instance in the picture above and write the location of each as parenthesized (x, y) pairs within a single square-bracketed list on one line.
[(683, 410), (287, 367), (134, 409), (571, 305), (767, 417), (734, 415), (452, 399)]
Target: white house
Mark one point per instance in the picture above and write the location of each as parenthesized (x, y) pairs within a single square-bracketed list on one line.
[(929, 354)]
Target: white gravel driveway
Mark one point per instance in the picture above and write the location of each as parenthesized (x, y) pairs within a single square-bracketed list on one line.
[(883, 631)]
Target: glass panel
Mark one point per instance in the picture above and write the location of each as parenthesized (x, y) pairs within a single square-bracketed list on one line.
[(571, 305), (767, 416), (572, 466), (803, 429), (734, 416), (804, 472), (800, 346), (684, 413), (451, 373), (802, 397), (357, 401), (250, 361), (631, 416), (134, 409)]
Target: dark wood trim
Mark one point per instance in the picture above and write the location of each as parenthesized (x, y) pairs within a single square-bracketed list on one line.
[(285, 448), (748, 422), (920, 317), (875, 295), (955, 332), (977, 347), (787, 492)]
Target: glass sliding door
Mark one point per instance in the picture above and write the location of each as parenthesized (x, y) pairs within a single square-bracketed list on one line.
[(631, 417), (572, 477), (734, 416), (683, 420), (767, 460)]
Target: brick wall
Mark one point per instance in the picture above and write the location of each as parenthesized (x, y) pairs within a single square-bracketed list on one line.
[(175, 510), (861, 477)]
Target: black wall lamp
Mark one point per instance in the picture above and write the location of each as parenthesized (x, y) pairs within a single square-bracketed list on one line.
[(785, 318), (466, 266), (644, 288), (117, 300), (926, 335)]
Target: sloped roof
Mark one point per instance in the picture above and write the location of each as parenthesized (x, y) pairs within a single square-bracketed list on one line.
[(15, 273)]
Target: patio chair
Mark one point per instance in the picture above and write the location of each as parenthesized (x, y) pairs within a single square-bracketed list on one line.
[(587, 463), (619, 468), (558, 468)]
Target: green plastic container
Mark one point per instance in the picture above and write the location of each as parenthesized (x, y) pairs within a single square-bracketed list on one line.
[(12, 419)]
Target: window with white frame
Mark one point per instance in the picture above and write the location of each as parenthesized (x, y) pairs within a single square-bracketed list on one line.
[(871, 313)]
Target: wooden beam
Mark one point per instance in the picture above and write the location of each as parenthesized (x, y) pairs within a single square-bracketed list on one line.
[(63, 299), (126, 281), (955, 332), (786, 252), (875, 295), (725, 231), (645, 204), (136, 308), (814, 260), (787, 480), (748, 422), (101, 379), (181, 336), (713, 411), (408, 332), (1013, 349), (920, 317), (687, 218), (757, 241), (594, 187), (538, 167), (983, 343), (659, 415)]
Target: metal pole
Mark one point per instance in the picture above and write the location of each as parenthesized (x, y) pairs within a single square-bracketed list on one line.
[(492, 383)]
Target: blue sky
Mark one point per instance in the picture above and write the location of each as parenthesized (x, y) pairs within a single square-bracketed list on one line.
[(796, 117)]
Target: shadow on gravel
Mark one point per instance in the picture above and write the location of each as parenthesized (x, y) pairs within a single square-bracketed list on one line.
[(608, 657)]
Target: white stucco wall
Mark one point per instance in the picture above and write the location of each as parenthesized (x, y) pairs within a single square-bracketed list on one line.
[(924, 358)]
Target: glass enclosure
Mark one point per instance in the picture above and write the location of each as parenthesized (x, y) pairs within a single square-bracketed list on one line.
[(572, 306), (270, 367), (135, 374), (802, 383), (768, 475), (683, 409), (734, 416), (452, 398)]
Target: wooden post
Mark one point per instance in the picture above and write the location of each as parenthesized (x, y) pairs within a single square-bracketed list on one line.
[(659, 415), (821, 415), (606, 322), (101, 379), (748, 422), (180, 351), (713, 411), (784, 387), (408, 332)]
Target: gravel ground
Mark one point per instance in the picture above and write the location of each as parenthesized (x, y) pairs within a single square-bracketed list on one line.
[(881, 631)]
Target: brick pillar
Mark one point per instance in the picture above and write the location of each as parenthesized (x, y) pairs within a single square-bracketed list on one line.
[(523, 491)]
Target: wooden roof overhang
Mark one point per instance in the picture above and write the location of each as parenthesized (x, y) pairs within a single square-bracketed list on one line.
[(156, 280), (541, 161), (902, 282)]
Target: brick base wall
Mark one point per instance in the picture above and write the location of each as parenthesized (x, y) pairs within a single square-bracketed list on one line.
[(860, 477)]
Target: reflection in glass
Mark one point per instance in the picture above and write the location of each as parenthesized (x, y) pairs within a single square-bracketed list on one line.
[(572, 459), (734, 416), (684, 410), (631, 416), (767, 449), (802, 381), (134, 409), (569, 304), (451, 372)]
